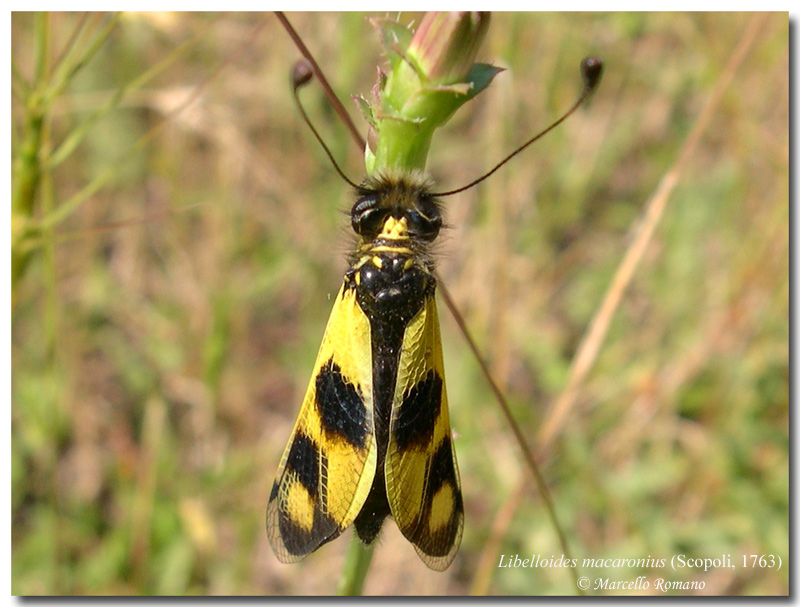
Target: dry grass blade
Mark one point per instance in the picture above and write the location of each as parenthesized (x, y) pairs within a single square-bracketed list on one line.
[(593, 339)]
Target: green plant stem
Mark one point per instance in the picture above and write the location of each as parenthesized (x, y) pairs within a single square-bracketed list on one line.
[(27, 175), (26, 169), (356, 566), (27, 166), (403, 145)]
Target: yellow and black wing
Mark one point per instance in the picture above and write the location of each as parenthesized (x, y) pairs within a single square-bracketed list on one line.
[(422, 480), (329, 464)]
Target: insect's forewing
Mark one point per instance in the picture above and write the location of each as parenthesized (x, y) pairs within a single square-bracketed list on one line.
[(329, 464), (422, 480)]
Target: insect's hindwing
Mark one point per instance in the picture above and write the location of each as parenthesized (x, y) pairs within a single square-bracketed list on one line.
[(329, 464), (422, 480)]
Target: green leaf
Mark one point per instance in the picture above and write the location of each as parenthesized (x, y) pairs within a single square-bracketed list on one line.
[(480, 77)]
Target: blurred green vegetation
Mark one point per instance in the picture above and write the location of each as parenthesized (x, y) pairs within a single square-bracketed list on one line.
[(174, 268)]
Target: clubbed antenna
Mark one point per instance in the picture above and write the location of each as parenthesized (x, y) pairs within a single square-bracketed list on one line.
[(300, 76), (591, 71)]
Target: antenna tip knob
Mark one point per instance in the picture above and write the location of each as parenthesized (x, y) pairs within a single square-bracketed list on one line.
[(301, 73), (591, 70)]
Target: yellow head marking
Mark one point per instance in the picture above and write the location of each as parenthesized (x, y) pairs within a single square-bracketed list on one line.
[(395, 229), (392, 249)]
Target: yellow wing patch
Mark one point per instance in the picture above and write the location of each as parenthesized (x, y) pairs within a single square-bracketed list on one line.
[(422, 479), (328, 466)]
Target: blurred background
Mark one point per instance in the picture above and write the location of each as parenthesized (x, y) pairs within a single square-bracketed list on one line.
[(177, 246)]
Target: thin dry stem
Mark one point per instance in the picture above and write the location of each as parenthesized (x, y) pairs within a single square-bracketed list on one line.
[(329, 92), (487, 564), (598, 328), (527, 452), (590, 345)]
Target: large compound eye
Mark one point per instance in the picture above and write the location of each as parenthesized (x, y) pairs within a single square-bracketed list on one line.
[(424, 221), (366, 217)]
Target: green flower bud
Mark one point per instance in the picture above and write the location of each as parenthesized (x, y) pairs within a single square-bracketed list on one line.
[(444, 47), (432, 74)]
